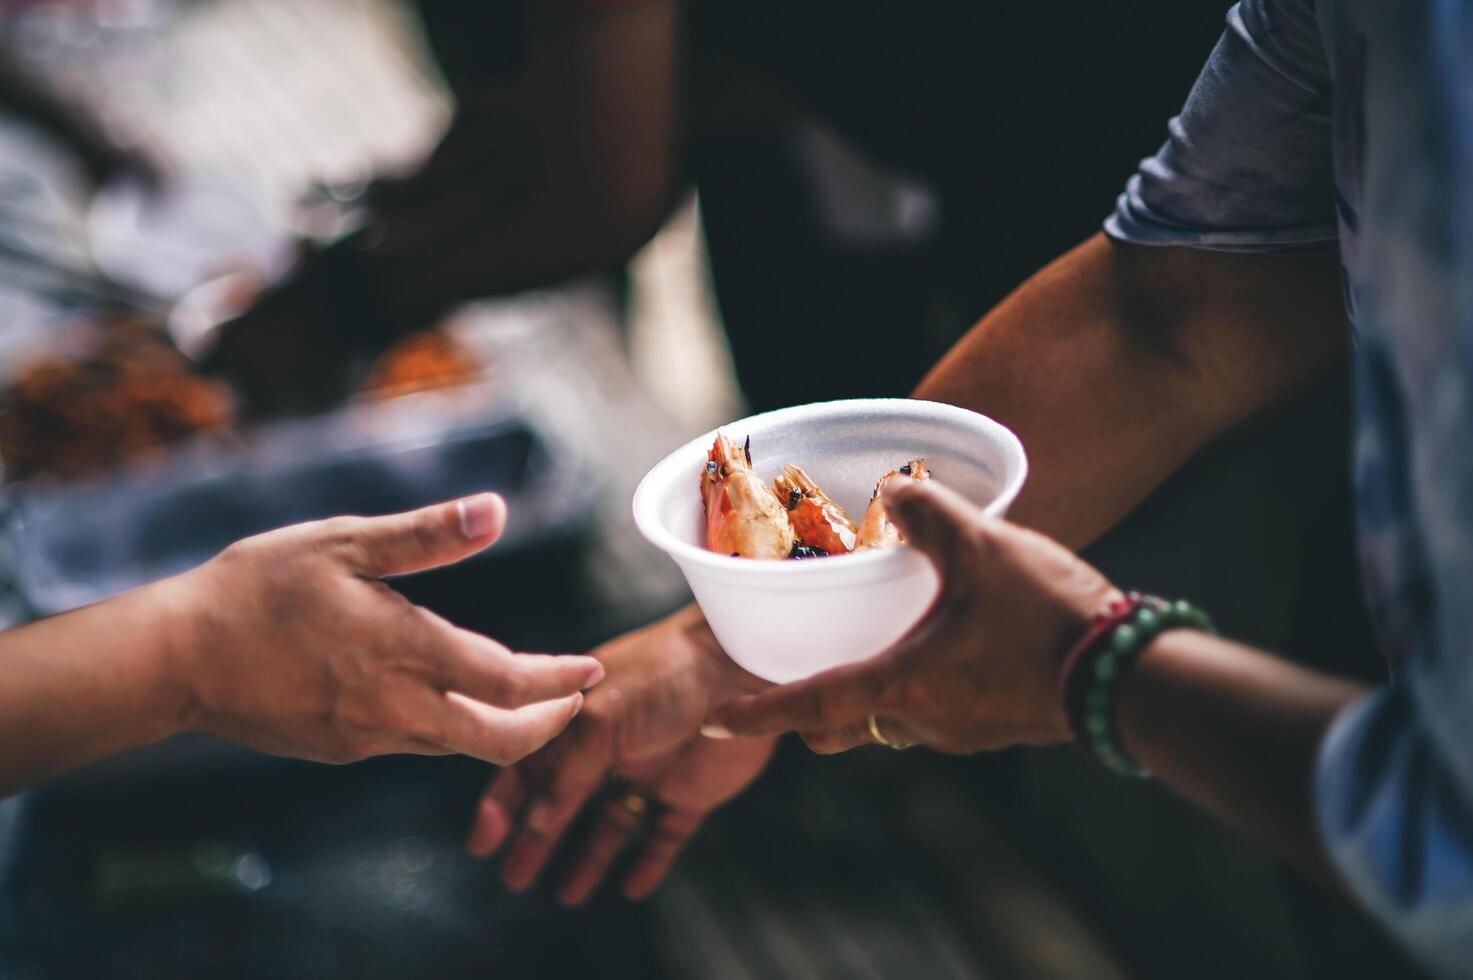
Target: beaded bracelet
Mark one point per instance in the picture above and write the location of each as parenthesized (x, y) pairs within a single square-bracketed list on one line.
[(1090, 678)]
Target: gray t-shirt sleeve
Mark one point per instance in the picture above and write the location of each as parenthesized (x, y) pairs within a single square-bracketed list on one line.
[(1248, 163)]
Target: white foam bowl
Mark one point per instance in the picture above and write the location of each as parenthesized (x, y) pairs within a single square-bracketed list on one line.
[(785, 620)]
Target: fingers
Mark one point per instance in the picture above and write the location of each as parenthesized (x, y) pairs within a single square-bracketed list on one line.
[(672, 830), (497, 811), (937, 522), (372, 746), (483, 669), (574, 774), (429, 537), (418, 746), (832, 741), (498, 735), (660, 843), (836, 697), (617, 824), (935, 519)]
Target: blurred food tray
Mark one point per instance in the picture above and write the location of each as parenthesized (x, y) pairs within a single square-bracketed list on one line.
[(79, 543)]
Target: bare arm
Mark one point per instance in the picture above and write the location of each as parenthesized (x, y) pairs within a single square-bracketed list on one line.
[(1115, 363), (570, 168), (1237, 732), (287, 642), (87, 684)]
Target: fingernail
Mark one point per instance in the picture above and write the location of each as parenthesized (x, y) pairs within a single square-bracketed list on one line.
[(478, 515), (596, 676), (577, 703), (714, 730), (487, 832)]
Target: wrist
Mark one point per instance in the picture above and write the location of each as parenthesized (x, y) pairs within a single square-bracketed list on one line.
[(1095, 670), (182, 611)]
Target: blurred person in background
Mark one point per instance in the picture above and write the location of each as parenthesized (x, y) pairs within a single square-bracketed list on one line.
[(1319, 170), (289, 643)]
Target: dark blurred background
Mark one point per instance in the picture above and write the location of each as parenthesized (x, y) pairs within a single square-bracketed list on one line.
[(918, 162)]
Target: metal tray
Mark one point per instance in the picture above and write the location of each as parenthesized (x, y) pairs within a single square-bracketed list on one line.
[(76, 544)]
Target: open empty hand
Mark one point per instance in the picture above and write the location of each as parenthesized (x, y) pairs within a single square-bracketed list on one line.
[(297, 646)]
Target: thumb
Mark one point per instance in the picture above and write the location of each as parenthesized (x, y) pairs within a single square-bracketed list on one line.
[(936, 520), (441, 534)]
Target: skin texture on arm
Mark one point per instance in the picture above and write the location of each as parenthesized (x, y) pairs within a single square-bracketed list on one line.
[(290, 643), (1117, 362), (87, 684), (1237, 732)]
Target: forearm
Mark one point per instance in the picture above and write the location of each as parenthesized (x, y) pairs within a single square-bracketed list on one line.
[(572, 169), (1116, 363), (1237, 732), (90, 683)]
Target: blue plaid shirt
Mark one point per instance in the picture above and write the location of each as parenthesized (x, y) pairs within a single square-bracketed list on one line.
[(1350, 123)]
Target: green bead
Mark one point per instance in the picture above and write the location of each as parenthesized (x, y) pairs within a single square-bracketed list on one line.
[(1106, 668), (1097, 725), (1182, 608), (1201, 620), (1125, 639), (1147, 620), (1097, 700)]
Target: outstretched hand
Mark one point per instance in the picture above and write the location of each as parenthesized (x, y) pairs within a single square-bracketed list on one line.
[(299, 648), (636, 754), (979, 671)]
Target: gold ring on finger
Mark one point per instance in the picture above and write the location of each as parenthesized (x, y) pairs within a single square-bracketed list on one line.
[(635, 803), (879, 736)]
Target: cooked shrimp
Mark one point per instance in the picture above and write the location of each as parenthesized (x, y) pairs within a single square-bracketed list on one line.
[(819, 523), (743, 516), (875, 529)]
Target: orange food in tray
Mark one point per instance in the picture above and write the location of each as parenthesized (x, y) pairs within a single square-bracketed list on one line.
[(133, 394), (419, 362)]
